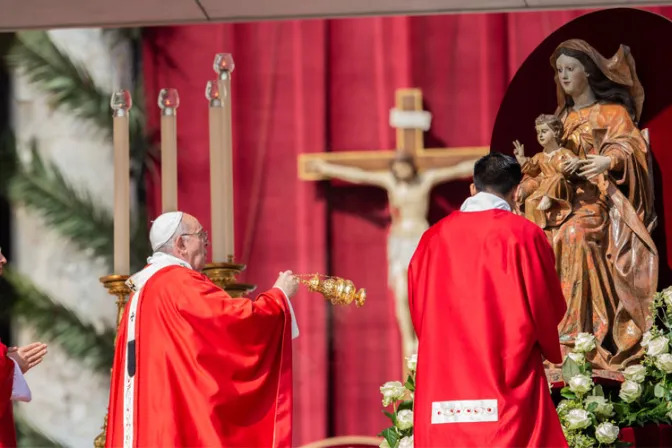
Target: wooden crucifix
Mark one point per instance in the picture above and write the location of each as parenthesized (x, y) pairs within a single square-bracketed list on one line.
[(408, 174)]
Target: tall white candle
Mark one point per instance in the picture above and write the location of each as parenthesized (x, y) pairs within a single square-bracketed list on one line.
[(169, 101), (121, 104), (222, 165), (217, 181)]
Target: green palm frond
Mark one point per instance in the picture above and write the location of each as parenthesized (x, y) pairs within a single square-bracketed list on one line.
[(42, 187), (61, 325), (69, 86), (28, 437)]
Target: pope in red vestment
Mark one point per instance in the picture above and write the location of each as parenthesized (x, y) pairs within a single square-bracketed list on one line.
[(486, 302), (193, 366)]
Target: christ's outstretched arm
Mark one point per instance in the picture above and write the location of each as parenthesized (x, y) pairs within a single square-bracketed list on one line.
[(462, 170), (351, 174)]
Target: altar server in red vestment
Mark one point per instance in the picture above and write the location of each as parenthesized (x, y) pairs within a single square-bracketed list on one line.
[(193, 366), (486, 302), (14, 362)]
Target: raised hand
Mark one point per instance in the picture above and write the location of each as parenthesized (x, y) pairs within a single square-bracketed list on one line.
[(28, 356), (519, 152)]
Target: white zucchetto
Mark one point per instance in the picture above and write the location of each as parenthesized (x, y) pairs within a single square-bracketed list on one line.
[(164, 228)]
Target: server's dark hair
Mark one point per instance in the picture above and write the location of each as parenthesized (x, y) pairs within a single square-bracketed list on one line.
[(497, 173)]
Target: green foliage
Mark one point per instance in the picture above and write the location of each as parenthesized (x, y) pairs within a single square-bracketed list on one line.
[(28, 437), (69, 87), (41, 187), (653, 405), (66, 84), (58, 324), (394, 394)]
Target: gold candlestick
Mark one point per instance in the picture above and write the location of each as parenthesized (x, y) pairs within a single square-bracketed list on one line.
[(224, 276), (116, 286)]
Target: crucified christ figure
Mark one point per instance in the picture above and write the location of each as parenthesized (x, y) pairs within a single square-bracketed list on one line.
[(408, 192)]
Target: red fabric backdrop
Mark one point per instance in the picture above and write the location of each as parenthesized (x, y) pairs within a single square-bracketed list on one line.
[(328, 85)]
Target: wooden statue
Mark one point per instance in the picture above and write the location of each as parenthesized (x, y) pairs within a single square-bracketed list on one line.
[(606, 259)]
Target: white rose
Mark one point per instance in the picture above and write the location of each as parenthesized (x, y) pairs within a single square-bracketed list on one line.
[(578, 419), (585, 342), (405, 419), (412, 362), (630, 391), (658, 346), (580, 384), (392, 391), (384, 444), (578, 358), (606, 433), (646, 338), (635, 373), (406, 442), (604, 408), (664, 362)]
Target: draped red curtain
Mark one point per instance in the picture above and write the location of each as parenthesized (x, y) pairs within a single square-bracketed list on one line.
[(328, 85)]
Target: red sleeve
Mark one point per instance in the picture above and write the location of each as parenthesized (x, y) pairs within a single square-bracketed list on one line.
[(543, 291), (7, 432), (218, 367)]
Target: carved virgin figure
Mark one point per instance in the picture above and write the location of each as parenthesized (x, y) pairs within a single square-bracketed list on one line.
[(606, 259)]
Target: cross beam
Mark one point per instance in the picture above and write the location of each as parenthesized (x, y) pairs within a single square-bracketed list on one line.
[(411, 122)]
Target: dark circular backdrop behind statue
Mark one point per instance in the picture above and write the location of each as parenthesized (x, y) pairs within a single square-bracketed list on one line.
[(532, 92)]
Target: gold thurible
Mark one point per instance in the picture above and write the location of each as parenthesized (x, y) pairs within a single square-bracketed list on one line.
[(337, 290)]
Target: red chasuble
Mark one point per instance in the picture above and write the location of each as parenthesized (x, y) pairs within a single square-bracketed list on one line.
[(209, 371), (7, 432), (486, 303)]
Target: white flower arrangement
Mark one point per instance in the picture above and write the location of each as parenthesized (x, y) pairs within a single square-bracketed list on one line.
[(400, 397), (645, 397), (585, 413)]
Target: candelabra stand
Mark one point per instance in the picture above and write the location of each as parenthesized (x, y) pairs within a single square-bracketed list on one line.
[(224, 276), (116, 286)]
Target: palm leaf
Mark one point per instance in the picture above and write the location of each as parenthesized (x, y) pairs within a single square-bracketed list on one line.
[(41, 187), (70, 87), (28, 437), (61, 325)]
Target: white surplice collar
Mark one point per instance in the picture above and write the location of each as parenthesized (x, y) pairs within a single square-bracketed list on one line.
[(483, 201), (156, 262)]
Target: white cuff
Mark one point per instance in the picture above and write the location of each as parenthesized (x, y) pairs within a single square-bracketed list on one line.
[(295, 326), (20, 389)]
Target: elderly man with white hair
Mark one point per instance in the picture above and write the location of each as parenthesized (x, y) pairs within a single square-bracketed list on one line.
[(194, 366)]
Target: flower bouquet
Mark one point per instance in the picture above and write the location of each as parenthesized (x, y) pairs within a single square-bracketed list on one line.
[(400, 397)]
